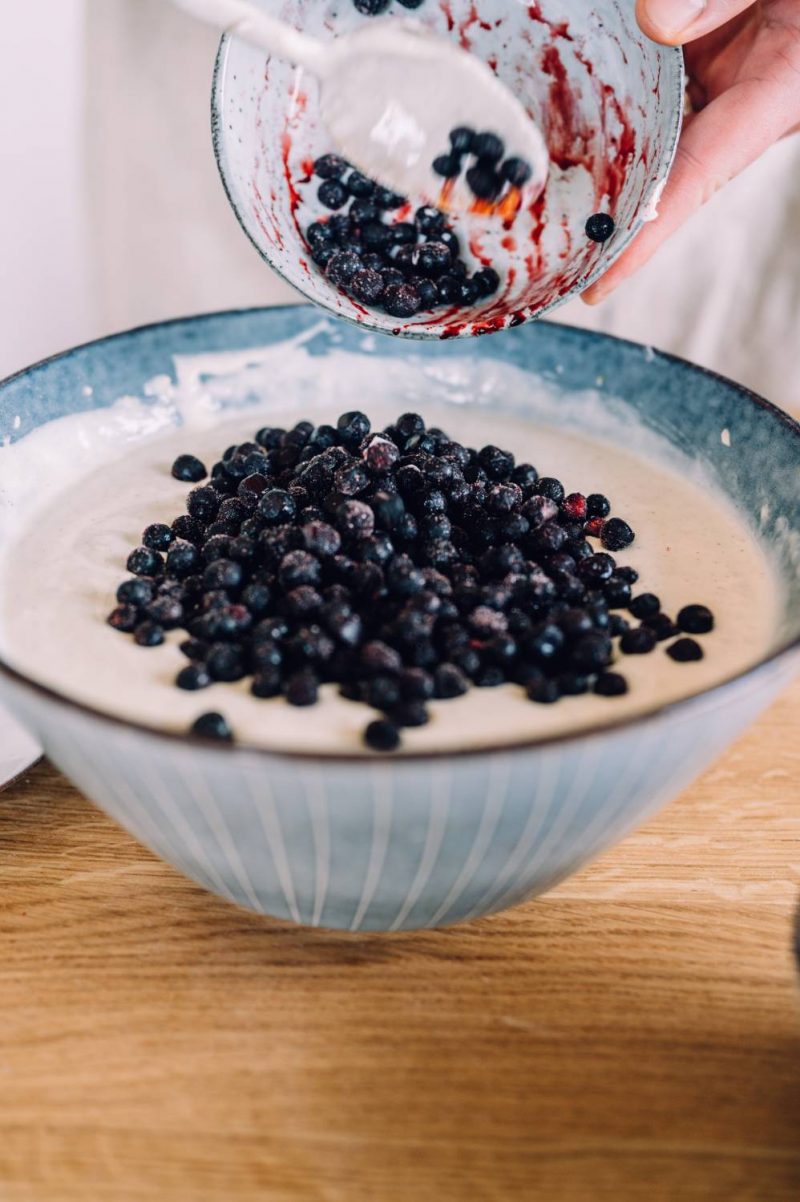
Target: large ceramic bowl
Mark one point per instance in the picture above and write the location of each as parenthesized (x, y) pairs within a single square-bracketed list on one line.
[(608, 100), (433, 839)]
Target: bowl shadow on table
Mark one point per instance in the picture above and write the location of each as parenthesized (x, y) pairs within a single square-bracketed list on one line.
[(575, 1038)]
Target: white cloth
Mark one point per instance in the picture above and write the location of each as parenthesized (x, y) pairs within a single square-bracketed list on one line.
[(724, 292)]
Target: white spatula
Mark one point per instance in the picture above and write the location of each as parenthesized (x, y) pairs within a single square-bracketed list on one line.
[(391, 92)]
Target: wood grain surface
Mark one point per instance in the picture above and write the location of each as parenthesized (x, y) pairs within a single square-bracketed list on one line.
[(635, 1034)]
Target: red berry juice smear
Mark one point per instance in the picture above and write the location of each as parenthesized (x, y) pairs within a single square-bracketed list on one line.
[(540, 248)]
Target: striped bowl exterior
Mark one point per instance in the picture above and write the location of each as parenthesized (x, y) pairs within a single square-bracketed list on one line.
[(389, 845), (395, 844)]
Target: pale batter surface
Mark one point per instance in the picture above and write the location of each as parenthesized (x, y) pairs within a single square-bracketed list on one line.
[(59, 573)]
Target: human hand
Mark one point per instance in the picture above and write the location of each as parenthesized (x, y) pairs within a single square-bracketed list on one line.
[(743, 64)]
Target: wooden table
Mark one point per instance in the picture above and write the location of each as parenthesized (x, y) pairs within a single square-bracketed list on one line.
[(635, 1034)]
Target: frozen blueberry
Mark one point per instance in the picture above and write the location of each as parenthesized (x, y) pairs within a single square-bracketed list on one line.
[(277, 506), (377, 657), (359, 185), (377, 238), (355, 519), (401, 300), (696, 619), (427, 291), (363, 212), (183, 559), (367, 286), (319, 233), (321, 539), (616, 535), (267, 683), (158, 537), (187, 528), (322, 253), (549, 487), (661, 625), (166, 612), (610, 684), (416, 685), (684, 651), (302, 689), (386, 199), (484, 182), (299, 568), (447, 165), (332, 194), (192, 678), (343, 268), (430, 221), (639, 641), (488, 146), (600, 227), (330, 166), (617, 591), (544, 691), (213, 727), (410, 714), (148, 634), (403, 233), (449, 289), (144, 562), (597, 506), (352, 427), (223, 574), (382, 736), (629, 575), (189, 469), (432, 258), (124, 618), (389, 510), (380, 454), (224, 663), (487, 281), (516, 171), (596, 569), (462, 139), (646, 605), (203, 504), (449, 681), (341, 228), (138, 591)]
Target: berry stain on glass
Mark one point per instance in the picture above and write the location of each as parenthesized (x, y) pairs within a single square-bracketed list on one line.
[(400, 566)]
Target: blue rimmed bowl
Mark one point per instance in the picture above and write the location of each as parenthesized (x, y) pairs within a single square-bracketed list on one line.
[(430, 839), (608, 100)]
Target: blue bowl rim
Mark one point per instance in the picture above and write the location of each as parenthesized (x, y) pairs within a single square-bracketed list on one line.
[(674, 59), (596, 731)]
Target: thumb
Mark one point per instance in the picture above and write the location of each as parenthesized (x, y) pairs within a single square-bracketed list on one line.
[(679, 21)]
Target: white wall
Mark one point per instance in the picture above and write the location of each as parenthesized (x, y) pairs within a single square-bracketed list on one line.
[(45, 294)]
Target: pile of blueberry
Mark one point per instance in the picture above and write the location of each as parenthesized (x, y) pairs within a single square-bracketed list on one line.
[(490, 173), (402, 267), (400, 566)]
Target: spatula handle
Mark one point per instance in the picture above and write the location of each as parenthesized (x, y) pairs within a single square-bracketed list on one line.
[(250, 23)]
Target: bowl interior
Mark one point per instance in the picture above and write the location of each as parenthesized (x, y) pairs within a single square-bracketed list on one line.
[(608, 99), (749, 448)]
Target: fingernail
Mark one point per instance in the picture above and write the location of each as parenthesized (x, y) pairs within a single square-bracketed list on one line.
[(596, 294), (673, 17)]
